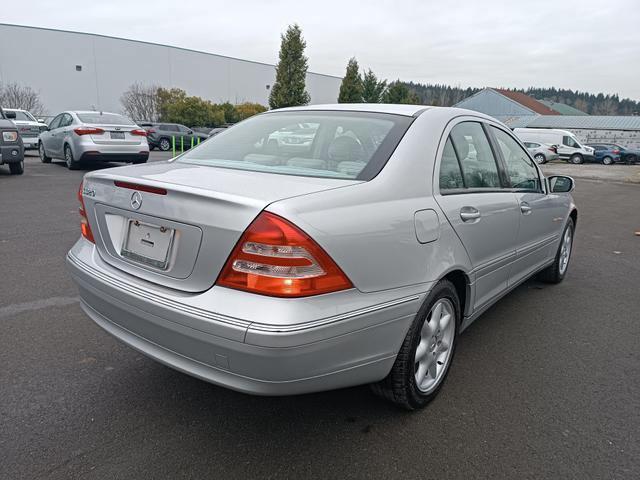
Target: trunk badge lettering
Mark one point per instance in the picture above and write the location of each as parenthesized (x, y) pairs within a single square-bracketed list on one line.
[(136, 200)]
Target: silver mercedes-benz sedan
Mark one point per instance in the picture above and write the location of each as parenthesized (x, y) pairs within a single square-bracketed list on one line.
[(358, 260), (79, 137)]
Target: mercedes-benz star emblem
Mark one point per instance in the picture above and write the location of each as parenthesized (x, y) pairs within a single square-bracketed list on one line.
[(136, 200)]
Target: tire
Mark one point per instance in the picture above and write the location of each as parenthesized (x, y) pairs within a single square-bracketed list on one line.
[(401, 385), (164, 144), (556, 272), (631, 159), (43, 154), (17, 168), (540, 159), (607, 160), (576, 159), (72, 163), (139, 161)]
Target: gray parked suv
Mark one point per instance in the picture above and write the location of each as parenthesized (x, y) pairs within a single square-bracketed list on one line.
[(11, 147), (162, 135)]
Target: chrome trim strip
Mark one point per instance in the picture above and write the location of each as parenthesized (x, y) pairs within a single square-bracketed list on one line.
[(129, 288), (263, 327)]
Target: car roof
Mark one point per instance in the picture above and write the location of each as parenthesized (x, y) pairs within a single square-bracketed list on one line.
[(14, 109), (91, 111), (396, 109), (407, 110)]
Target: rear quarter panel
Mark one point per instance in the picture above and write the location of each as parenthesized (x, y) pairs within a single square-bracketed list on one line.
[(369, 228)]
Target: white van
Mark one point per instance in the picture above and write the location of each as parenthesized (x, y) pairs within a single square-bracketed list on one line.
[(569, 148)]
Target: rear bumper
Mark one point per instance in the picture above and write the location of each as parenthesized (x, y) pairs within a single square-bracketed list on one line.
[(11, 154), (262, 355), (30, 143), (96, 156)]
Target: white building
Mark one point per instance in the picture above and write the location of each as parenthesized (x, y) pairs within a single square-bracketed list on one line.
[(74, 71)]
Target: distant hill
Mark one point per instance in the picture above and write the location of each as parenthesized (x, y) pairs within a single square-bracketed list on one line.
[(593, 104)]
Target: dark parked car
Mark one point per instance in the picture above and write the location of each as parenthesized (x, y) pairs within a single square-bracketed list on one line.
[(162, 135), (627, 155), (606, 154), (11, 146)]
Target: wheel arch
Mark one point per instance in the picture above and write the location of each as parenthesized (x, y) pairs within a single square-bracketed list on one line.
[(574, 216), (462, 284)]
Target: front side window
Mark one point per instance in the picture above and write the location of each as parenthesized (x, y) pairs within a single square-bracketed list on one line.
[(479, 168), (169, 128), (348, 145), (570, 142), (521, 171)]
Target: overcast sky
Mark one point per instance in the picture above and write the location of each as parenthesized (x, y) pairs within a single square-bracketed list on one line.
[(585, 45)]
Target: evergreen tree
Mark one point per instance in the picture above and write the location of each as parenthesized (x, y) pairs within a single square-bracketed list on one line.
[(351, 86), (396, 93), (291, 71), (372, 89)]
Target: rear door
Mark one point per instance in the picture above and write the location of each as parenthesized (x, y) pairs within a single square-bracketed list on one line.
[(58, 135), (48, 137), (483, 213), (540, 215)]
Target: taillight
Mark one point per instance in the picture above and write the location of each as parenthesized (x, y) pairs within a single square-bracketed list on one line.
[(274, 257), (151, 130), (84, 221), (140, 132), (616, 151), (88, 131)]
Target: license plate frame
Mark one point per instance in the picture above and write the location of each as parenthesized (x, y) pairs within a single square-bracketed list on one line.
[(147, 243), (117, 135)]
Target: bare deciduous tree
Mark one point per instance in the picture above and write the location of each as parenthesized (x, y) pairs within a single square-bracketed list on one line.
[(13, 95), (141, 102)]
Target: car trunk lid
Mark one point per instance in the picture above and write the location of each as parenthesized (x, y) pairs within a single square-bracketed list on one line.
[(176, 224), (115, 134)]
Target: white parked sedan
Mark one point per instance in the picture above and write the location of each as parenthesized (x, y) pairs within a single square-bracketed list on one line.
[(356, 260)]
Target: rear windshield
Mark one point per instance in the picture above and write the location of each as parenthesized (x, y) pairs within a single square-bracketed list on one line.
[(104, 118), (349, 145), (24, 116)]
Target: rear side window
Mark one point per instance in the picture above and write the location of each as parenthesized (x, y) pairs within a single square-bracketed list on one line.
[(450, 173), (66, 120), (55, 123), (521, 171), (479, 168), (333, 144)]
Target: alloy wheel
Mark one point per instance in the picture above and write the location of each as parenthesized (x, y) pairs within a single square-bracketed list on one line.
[(565, 250), (68, 156), (436, 345)]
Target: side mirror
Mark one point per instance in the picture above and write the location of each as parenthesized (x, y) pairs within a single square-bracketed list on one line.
[(10, 114), (190, 132), (561, 184)]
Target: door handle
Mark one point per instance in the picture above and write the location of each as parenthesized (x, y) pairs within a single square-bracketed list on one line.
[(525, 208), (469, 214)]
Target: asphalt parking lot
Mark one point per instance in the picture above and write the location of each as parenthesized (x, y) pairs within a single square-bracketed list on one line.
[(544, 385)]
